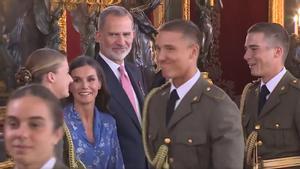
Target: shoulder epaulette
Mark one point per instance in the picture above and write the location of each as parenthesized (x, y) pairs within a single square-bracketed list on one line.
[(213, 91), (256, 81), (244, 93), (295, 83)]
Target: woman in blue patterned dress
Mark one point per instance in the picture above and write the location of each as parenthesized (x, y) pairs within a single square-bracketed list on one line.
[(93, 130)]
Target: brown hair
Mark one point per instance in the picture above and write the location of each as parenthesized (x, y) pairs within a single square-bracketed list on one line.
[(103, 95), (274, 32), (38, 90), (39, 63), (187, 28)]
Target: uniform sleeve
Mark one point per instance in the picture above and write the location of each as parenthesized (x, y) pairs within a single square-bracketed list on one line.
[(297, 117), (226, 136)]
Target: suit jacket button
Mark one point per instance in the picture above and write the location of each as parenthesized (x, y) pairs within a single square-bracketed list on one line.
[(167, 140)]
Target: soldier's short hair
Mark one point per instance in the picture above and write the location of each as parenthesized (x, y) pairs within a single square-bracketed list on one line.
[(275, 32), (187, 28)]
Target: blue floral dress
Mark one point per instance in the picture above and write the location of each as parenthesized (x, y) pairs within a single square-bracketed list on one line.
[(105, 152)]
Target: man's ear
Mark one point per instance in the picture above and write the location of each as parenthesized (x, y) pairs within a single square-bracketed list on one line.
[(279, 52), (50, 77), (98, 36), (195, 50)]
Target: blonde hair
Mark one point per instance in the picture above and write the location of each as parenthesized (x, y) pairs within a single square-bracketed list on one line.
[(39, 63)]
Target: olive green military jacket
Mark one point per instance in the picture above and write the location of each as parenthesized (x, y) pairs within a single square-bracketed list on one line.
[(204, 132), (278, 124)]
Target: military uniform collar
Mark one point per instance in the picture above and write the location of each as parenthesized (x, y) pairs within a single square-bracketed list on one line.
[(271, 84)]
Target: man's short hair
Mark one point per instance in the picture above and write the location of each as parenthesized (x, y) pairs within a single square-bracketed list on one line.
[(187, 28), (115, 11), (275, 32)]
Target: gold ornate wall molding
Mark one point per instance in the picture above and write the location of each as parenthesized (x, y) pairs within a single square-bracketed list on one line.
[(186, 10), (276, 11), (93, 6), (62, 22), (158, 14)]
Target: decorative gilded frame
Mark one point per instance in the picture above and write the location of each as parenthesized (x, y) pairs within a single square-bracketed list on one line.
[(276, 11), (186, 11), (159, 14), (62, 22)]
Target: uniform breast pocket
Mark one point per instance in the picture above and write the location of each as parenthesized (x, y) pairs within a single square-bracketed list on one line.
[(191, 149), (278, 135)]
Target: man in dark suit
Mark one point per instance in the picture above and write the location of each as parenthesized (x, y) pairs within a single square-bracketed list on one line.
[(115, 36), (189, 123), (270, 105)]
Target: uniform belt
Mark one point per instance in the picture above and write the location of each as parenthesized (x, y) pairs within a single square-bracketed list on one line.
[(281, 162)]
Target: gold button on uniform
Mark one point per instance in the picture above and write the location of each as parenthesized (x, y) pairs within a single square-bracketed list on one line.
[(167, 140), (295, 81), (190, 140), (277, 125), (208, 89), (257, 127), (282, 88), (259, 143)]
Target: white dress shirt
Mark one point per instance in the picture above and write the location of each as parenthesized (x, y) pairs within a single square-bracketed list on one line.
[(271, 84), (183, 89), (114, 67)]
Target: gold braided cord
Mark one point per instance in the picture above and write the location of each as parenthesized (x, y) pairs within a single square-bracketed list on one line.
[(160, 161), (7, 164), (74, 164), (243, 97), (250, 147)]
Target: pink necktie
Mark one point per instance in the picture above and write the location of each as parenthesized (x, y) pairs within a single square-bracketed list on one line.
[(127, 86)]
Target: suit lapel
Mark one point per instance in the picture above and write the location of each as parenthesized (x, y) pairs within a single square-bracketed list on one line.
[(185, 106), (117, 92), (275, 97)]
